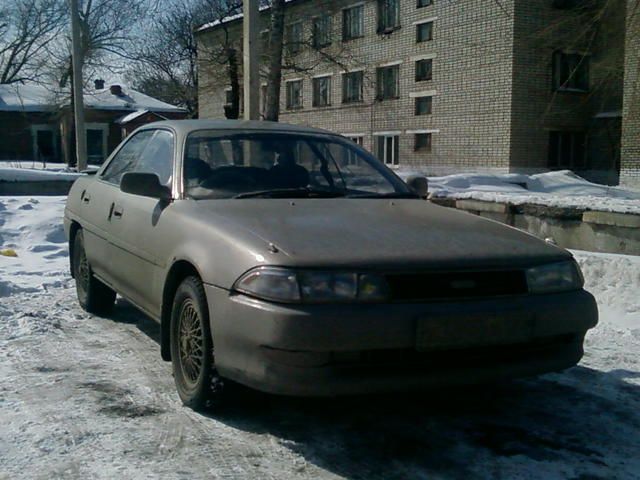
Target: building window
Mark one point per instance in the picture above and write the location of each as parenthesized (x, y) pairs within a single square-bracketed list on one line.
[(422, 142), (293, 38), (570, 72), (294, 94), (322, 91), (96, 134), (353, 22), (424, 3), (388, 82), (423, 105), (387, 149), (322, 31), (388, 15), (424, 70), (228, 97), (567, 150), (357, 140), (352, 157), (424, 32), (45, 143), (352, 87)]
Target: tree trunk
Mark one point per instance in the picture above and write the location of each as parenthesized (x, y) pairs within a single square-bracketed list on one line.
[(233, 112), (274, 52)]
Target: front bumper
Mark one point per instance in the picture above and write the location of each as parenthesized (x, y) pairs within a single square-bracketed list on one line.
[(350, 349)]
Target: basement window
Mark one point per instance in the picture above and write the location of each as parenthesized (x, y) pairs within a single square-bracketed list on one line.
[(567, 150)]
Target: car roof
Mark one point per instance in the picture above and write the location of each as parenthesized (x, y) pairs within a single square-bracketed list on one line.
[(186, 126)]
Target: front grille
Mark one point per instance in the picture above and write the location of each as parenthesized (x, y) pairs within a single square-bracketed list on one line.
[(444, 285)]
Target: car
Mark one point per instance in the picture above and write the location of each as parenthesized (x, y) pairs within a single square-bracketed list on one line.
[(290, 260)]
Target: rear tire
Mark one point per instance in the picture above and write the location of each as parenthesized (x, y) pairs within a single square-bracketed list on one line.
[(192, 354), (93, 295)]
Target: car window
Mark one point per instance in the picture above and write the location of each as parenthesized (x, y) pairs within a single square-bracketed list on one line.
[(126, 158), (223, 165), (157, 156)]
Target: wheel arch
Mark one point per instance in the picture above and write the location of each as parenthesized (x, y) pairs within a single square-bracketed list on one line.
[(180, 270)]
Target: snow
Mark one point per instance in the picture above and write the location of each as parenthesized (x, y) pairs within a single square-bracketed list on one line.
[(39, 98), (12, 174), (89, 397), (554, 189)]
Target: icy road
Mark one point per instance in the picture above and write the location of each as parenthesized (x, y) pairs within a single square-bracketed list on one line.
[(88, 397)]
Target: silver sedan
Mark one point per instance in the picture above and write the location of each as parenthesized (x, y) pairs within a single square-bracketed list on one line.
[(290, 260)]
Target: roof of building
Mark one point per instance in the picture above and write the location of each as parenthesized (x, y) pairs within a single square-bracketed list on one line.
[(233, 17), (39, 98)]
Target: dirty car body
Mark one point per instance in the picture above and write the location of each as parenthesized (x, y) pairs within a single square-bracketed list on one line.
[(332, 279)]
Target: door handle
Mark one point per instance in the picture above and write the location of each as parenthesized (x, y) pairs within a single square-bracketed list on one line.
[(85, 197), (117, 211)]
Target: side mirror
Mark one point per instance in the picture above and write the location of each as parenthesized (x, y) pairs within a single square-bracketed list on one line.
[(145, 185), (419, 185)]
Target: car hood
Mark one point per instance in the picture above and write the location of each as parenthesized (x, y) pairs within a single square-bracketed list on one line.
[(371, 233)]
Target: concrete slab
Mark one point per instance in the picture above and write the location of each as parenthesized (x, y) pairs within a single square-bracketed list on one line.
[(480, 206), (627, 220)]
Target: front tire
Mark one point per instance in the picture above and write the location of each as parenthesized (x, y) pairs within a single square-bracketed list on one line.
[(192, 354), (93, 295)]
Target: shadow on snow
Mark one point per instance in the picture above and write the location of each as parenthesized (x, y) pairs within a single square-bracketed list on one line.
[(582, 417)]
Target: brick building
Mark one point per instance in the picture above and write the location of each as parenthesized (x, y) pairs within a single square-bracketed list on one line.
[(36, 122), (471, 85)]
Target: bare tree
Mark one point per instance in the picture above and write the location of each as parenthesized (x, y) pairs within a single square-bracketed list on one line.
[(167, 61), (274, 60), (278, 57), (107, 28), (27, 27)]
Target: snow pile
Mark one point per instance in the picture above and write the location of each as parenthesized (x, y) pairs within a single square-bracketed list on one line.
[(615, 280), (554, 189), (11, 174), (32, 226)]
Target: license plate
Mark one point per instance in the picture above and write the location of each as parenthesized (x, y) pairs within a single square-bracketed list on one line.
[(472, 330)]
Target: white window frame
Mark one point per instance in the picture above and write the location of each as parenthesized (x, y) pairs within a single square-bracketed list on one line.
[(383, 136), (362, 24), (329, 90), (358, 139), (286, 93)]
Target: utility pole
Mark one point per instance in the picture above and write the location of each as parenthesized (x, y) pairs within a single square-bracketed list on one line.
[(78, 101), (250, 56)]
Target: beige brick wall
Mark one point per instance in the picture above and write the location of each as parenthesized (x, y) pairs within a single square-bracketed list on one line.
[(472, 75), (493, 106), (630, 154), (537, 109)]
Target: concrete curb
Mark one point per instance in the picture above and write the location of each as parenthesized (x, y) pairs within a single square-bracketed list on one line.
[(580, 229)]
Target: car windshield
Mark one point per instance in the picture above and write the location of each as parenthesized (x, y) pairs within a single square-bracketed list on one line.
[(283, 165)]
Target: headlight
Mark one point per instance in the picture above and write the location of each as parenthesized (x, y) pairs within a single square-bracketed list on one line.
[(554, 277), (271, 284), (311, 286)]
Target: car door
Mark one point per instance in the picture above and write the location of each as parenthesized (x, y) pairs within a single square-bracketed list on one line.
[(97, 202), (142, 229)]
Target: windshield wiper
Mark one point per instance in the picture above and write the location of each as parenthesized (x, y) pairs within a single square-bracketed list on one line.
[(384, 195), (304, 192)]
